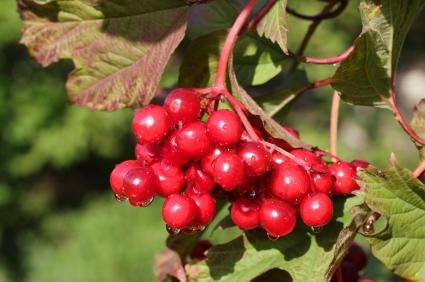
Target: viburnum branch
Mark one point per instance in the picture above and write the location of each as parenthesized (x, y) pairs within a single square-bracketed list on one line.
[(257, 18), (220, 79), (323, 61), (317, 84), (333, 132), (419, 170), (401, 120), (321, 16)]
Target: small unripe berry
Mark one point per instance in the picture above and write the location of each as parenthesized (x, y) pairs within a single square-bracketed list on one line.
[(182, 105), (178, 211), (290, 181), (224, 127), (245, 214), (150, 124), (119, 172), (277, 217), (316, 210), (194, 140), (229, 171), (343, 174)]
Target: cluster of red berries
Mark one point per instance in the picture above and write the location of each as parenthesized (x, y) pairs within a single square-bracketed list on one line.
[(192, 163)]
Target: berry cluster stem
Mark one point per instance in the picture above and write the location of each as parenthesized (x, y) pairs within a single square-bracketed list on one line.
[(220, 79), (419, 170), (324, 61), (333, 132), (257, 18)]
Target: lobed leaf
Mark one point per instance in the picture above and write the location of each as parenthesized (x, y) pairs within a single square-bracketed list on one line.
[(418, 125), (119, 49), (364, 78), (398, 196), (305, 255), (274, 25)]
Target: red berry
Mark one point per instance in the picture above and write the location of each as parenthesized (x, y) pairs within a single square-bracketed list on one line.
[(170, 151), (357, 257), (360, 164), (193, 139), (169, 178), (205, 209), (290, 181), (118, 173), (321, 179), (316, 210), (224, 127), (178, 211), (277, 217), (344, 174), (150, 124), (198, 182), (139, 185), (255, 157), (229, 171), (147, 154), (283, 144), (278, 159), (209, 159), (182, 105), (309, 157), (245, 214)]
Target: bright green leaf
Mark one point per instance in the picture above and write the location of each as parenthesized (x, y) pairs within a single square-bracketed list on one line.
[(274, 25), (418, 124), (305, 255), (364, 78), (398, 196), (119, 49)]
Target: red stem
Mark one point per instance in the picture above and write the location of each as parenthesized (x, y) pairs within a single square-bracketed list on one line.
[(323, 61), (339, 277), (420, 169), (229, 43), (333, 132), (401, 120), (257, 18), (318, 84)]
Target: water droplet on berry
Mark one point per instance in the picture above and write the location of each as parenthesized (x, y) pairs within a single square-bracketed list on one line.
[(272, 237), (201, 228), (147, 203), (120, 199), (190, 230), (172, 230), (317, 229)]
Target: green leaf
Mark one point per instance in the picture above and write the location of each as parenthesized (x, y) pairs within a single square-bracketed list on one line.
[(305, 255), (364, 78), (292, 86), (256, 60), (418, 124), (119, 49), (272, 127), (274, 25), (398, 196)]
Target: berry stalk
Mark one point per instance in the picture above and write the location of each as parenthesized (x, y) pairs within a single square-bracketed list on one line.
[(420, 169), (324, 61), (257, 18), (333, 132)]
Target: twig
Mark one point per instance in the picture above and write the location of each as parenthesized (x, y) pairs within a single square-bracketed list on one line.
[(323, 61), (333, 132), (322, 15), (419, 170), (257, 18)]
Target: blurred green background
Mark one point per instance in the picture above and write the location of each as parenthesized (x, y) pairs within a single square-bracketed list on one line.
[(58, 219)]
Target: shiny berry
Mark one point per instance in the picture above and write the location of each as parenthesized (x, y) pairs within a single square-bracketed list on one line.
[(290, 181), (119, 172), (321, 179), (169, 178), (360, 164), (229, 171), (139, 185), (193, 139), (309, 157), (277, 217), (178, 211), (147, 154), (278, 159), (198, 182), (224, 127), (209, 159), (205, 211), (343, 174), (316, 210), (255, 158), (357, 257), (150, 124), (182, 105), (245, 214), (170, 151)]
